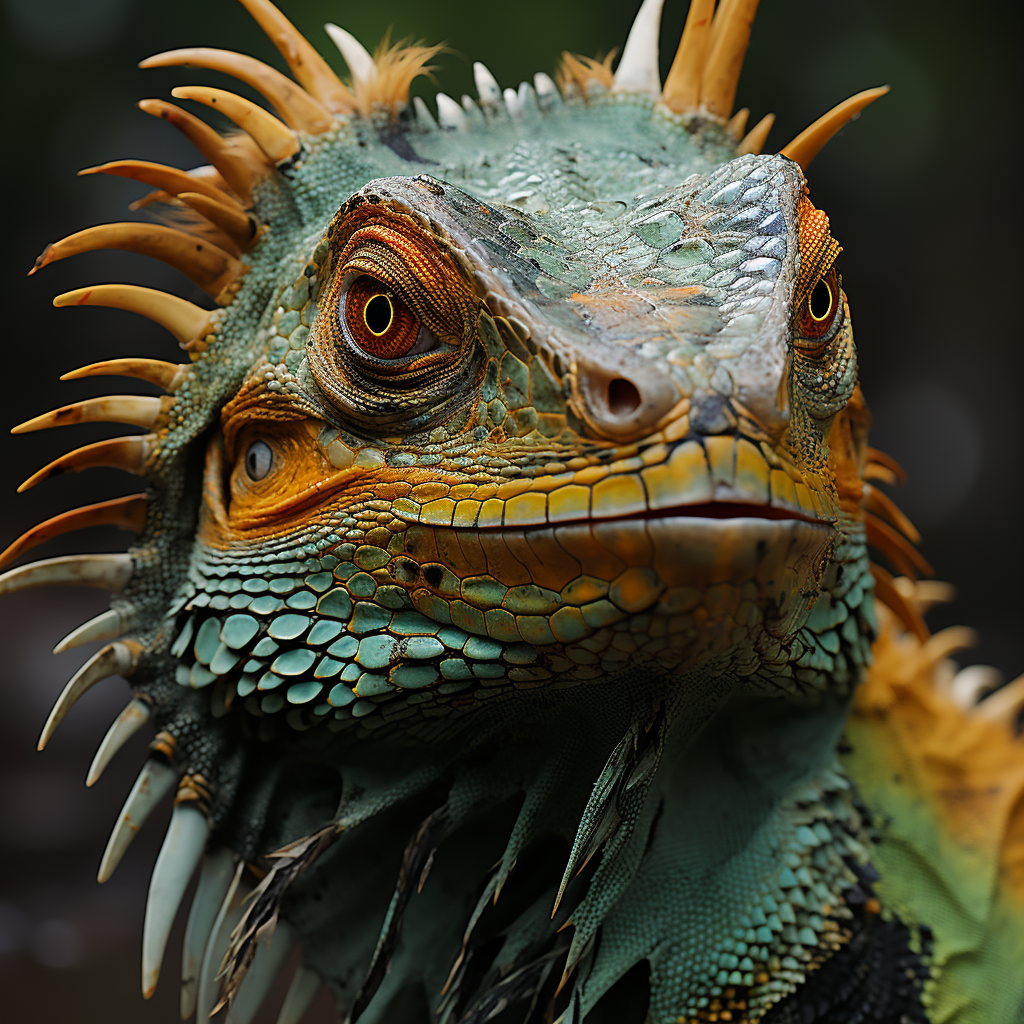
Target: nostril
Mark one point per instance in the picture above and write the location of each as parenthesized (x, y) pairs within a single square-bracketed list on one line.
[(623, 397)]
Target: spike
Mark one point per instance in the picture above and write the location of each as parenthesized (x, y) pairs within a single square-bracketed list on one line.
[(171, 180), (1004, 705), (202, 262), (932, 592), (728, 47), (129, 513), (904, 610), (969, 685), (267, 964), (117, 659), (811, 141), (736, 126), (882, 459), (682, 86), (545, 85), (882, 505), (215, 880), (239, 226), (108, 625), (137, 410), (155, 781), (638, 69), (449, 113), (128, 453), (106, 572), (297, 108), (228, 916), (896, 548), (513, 103), (356, 56), (178, 858), (312, 71), (125, 726), (238, 172), (486, 84), (947, 642), (168, 376), (305, 987), (274, 137), (185, 320), (423, 115), (754, 140)]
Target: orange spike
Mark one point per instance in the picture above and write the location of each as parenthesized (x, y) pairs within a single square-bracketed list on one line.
[(297, 108), (184, 319), (238, 172), (138, 410), (737, 124), (811, 141), (754, 140), (947, 642), (730, 36), (887, 593), (882, 505), (274, 137), (888, 462), (312, 71), (239, 226), (127, 453), (202, 262), (681, 91), (896, 548), (128, 513), (168, 376), (166, 179)]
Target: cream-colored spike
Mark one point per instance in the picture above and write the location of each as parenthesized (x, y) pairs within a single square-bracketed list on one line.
[(108, 625), (811, 141), (305, 987), (215, 879), (682, 86), (125, 726), (239, 226), (487, 87), (754, 140), (185, 320), (274, 137), (1004, 705), (169, 376), (449, 113), (638, 69), (267, 964), (138, 410), (297, 108), (728, 47), (105, 572), (127, 453), (356, 56), (170, 180)]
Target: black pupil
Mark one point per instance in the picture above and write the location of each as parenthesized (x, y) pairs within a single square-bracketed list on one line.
[(251, 465), (378, 314), (821, 301)]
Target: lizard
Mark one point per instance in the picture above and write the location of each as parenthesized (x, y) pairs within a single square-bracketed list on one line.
[(501, 601)]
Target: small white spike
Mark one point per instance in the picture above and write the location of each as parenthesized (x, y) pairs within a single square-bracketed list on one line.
[(266, 965), (512, 101), (527, 97), (638, 69), (106, 626), (228, 916), (178, 858), (545, 85), (155, 781), (449, 115), (970, 684), (486, 84), (305, 987), (110, 572), (1004, 705), (117, 659), (215, 880), (125, 726), (423, 114), (356, 56)]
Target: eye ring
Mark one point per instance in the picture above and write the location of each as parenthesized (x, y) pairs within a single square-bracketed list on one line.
[(378, 314), (259, 459)]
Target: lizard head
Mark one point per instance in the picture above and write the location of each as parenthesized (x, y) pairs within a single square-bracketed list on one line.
[(533, 430)]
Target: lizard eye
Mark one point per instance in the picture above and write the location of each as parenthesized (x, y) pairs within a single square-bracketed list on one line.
[(258, 460), (818, 311), (380, 323)]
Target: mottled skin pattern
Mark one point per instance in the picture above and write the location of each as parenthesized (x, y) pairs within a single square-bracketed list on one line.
[(581, 591)]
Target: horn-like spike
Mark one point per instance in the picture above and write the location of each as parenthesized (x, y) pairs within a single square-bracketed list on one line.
[(199, 260), (129, 513), (887, 592), (267, 964), (155, 781), (274, 137), (238, 172), (108, 625), (105, 572), (682, 86), (305, 987), (356, 56), (127, 453), (137, 410), (1004, 705), (423, 115), (947, 642), (184, 319), (168, 376), (239, 226), (638, 69), (896, 548), (882, 505), (215, 879), (178, 858), (171, 180), (967, 687), (228, 915), (314, 74), (737, 124), (754, 140), (124, 727), (882, 459), (811, 141), (513, 102), (297, 108), (117, 659), (449, 113), (487, 87), (730, 36)]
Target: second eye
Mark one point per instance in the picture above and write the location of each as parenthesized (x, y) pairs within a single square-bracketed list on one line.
[(380, 323)]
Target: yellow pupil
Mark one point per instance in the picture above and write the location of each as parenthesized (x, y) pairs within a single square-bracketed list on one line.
[(828, 306), (379, 314)]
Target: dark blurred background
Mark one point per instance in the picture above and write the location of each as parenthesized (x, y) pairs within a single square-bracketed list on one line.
[(921, 192)]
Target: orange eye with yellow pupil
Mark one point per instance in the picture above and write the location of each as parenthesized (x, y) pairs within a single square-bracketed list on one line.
[(818, 311), (378, 321), (819, 304)]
